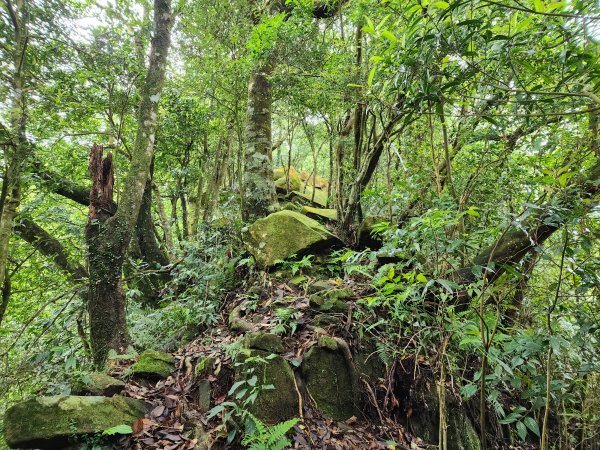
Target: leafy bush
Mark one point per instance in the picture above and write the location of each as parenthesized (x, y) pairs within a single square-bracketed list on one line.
[(192, 298)]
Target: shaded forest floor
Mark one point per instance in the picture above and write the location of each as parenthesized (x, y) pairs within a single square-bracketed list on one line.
[(177, 421)]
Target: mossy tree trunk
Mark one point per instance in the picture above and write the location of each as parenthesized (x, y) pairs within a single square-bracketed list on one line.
[(259, 189), (108, 231), (18, 149), (259, 194)]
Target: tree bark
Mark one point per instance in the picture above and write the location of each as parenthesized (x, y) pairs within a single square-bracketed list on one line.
[(18, 150), (259, 194), (109, 234), (259, 188)]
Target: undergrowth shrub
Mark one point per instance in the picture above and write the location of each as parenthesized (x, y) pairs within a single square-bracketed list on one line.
[(190, 301)]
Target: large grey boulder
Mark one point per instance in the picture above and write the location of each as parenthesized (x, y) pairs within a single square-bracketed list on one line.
[(55, 422)]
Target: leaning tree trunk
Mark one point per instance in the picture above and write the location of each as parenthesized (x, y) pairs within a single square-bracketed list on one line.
[(259, 189), (109, 235)]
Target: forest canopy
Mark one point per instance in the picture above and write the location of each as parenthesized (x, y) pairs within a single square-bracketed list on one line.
[(300, 224)]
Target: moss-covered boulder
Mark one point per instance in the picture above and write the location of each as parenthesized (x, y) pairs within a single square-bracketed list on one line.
[(312, 180), (260, 340), (283, 234), (320, 213), (55, 422), (97, 383), (281, 176), (332, 300), (272, 405), (312, 195), (329, 380), (319, 285), (368, 360), (153, 365)]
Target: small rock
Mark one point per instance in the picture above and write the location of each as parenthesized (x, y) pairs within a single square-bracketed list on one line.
[(324, 320), (318, 286), (260, 340), (204, 394), (332, 300), (97, 383), (153, 365)]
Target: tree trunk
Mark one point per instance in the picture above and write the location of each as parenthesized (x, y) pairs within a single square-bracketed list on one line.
[(259, 189), (519, 241), (109, 235), (153, 280), (18, 151), (164, 220)]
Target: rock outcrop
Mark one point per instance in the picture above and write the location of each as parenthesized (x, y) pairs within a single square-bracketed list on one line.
[(330, 381)]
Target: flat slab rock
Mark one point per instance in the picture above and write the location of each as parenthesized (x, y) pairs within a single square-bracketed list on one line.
[(57, 421)]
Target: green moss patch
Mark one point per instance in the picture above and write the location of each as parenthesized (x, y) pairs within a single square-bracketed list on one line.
[(97, 383), (260, 340), (332, 300), (153, 365), (320, 213)]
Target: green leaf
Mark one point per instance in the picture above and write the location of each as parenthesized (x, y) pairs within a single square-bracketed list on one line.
[(119, 429), (469, 390), (389, 36), (371, 76), (442, 5), (521, 430), (236, 385), (215, 410), (539, 6), (414, 9), (421, 278), (448, 285), (532, 425)]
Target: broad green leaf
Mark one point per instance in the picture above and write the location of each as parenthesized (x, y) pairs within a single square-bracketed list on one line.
[(532, 425), (119, 429), (521, 430), (371, 76), (442, 5)]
